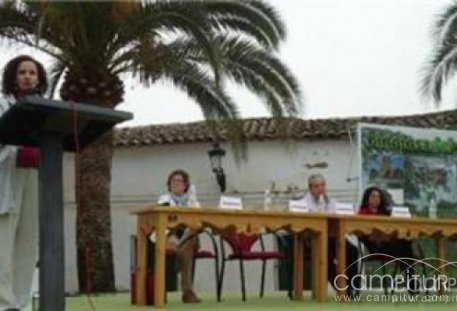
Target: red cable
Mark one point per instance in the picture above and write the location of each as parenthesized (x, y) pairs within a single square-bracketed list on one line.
[(79, 203)]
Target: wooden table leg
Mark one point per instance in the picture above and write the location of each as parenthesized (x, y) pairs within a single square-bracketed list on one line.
[(440, 254), (298, 266), (341, 261), (315, 251), (160, 258), (320, 261), (141, 265)]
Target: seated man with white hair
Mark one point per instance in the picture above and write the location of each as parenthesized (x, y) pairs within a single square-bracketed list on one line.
[(317, 200)]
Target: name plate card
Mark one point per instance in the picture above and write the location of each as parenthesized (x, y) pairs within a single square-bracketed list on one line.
[(230, 203), (298, 206), (344, 209), (401, 212)]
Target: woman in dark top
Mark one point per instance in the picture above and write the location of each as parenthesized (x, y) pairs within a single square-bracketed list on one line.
[(374, 202)]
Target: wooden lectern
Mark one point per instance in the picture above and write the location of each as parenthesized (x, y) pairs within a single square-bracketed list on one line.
[(53, 126)]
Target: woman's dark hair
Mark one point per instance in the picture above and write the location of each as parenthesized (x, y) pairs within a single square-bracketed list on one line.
[(382, 209), (10, 71), (183, 174)]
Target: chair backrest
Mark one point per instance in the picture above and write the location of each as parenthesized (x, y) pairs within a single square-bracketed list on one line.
[(240, 242)]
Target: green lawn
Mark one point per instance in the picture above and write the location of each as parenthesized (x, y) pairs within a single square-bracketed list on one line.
[(276, 301)]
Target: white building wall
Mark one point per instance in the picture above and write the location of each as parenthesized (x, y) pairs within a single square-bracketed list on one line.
[(139, 176)]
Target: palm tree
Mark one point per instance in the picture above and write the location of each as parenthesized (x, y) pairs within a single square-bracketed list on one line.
[(442, 64), (196, 45)]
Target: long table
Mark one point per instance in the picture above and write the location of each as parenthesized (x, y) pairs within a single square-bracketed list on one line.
[(404, 228), (160, 218)]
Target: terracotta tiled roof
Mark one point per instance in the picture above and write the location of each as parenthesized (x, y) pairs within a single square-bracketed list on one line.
[(266, 129)]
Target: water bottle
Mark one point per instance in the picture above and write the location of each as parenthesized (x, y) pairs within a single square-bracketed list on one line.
[(432, 209), (320, 204), (267, 200), (192, 200)]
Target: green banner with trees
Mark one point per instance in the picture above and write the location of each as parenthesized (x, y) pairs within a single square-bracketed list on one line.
[(417, 166)]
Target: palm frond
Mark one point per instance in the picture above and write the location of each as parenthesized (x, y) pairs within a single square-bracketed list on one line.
[(442, 64), (251, 66), (80, 29), (18, 24), (230, 24), (259, 19), (441, 67), (168, 18), (445, 24), (276, 78), (215, 104)]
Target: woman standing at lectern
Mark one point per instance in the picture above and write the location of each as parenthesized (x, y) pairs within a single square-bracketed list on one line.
[(18, 191)]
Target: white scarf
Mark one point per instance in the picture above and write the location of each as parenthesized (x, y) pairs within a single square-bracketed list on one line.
[(173, 199)]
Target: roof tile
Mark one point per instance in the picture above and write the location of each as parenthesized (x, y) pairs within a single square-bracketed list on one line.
[(267, 129)]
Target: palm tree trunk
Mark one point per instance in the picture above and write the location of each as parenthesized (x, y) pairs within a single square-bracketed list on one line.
[(93, 229), (93, 171)]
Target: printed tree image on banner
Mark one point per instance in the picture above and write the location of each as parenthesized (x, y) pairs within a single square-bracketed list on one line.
[(417, 167)]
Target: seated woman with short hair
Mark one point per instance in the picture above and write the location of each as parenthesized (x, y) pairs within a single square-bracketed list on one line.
[(184, 242)]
